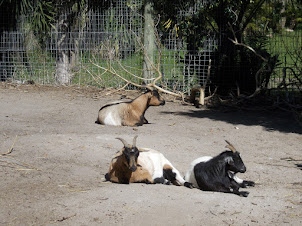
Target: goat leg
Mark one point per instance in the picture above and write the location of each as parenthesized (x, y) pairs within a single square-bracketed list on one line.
[(241, 193), (235, 186), (189, 185), (160, 180), (246, 183), (145, 121), (218, 186), (242, 183)]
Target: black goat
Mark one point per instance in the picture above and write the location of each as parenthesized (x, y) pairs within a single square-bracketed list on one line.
[(219, 173)]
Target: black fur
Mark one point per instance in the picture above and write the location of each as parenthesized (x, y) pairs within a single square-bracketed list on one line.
[(107, 177), (247, 183), (213, 174), (169, 175), (129, 153), (159, 180), (111, 104)]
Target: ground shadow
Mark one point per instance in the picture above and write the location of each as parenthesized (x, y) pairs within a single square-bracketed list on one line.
[(269, 120), (299, 166)]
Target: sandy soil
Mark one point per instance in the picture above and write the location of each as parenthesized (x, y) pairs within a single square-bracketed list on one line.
[(55, 173)]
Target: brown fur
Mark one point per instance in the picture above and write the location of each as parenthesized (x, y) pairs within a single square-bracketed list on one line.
[(119, 172), (131, 113), (134, 113), (145, 165)]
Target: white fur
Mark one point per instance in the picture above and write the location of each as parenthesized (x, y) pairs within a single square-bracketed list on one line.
[(190, 175), (235, 178), (112, 119), (130, 113), (154, 162), (110, 115)]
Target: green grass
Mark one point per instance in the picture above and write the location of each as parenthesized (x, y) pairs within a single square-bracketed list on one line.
[(171, 68), (42, 65), (288, 47), (37, 67)]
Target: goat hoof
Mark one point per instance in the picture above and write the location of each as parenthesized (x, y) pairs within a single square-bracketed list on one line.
[(251, 183), (189, 185), (244, 193)]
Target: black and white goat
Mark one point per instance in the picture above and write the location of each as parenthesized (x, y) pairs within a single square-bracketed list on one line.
[(132, 164), (129, 113), (219, 173)]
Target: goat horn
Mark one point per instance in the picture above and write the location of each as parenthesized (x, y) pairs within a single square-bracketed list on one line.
[(230, 146), (123, 141), (134, 141)]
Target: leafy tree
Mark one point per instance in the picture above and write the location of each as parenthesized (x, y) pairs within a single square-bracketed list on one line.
[(293, 13), (234, 65), (44, 15)]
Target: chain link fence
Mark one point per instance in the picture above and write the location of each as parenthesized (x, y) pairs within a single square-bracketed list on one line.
[(111, 39)]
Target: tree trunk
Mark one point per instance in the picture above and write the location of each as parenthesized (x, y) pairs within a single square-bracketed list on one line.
[(149, 41), (63, 72), (283, 19)]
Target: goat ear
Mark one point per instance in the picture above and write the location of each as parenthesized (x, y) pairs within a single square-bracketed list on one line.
[(155, 93), (229, 160), (141, 150), (147, 87)]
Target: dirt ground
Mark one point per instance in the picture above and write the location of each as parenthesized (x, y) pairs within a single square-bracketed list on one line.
[(55, 172)]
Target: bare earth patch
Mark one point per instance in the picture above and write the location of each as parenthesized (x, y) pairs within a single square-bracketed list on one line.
[(55, 172)]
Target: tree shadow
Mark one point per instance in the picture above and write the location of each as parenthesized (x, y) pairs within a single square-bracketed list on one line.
[(269, 120)]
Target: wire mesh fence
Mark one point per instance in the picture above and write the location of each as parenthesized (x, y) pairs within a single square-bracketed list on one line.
[(111, 39)]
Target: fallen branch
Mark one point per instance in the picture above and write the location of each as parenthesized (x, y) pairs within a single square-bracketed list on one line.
[(114, 73), (291, 159), (66, 218), (10, 160), (117, 90), (17, 162), (151, 85), (155, 66), (11, 148)]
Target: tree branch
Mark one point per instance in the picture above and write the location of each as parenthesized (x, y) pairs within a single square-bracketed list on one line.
[(155, 67)]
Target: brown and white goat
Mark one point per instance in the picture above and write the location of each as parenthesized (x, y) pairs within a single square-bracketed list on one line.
[(129, 113), (142, 165)]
